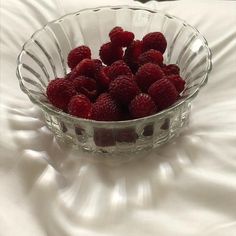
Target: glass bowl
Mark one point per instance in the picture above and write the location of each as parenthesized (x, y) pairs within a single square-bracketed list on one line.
[(44, 57)]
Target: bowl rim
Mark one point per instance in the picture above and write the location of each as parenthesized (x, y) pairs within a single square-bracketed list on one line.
[(59, 113)]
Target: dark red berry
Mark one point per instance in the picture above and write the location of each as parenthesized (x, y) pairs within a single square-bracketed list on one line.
[(104, 137), (119, 68), (86, 86), (123, 89), (106, 109), (77, 55), (155, 40), (122, 38), (171, 69), (177, 81), (59, 92), (98, 64), (142, 105), (148, 130), (115, 30), (147, 74), (102, 78), (126, 135), (80, 106), (86, 67), (132, 53), (152, 56), (110, 53), (164, 93), (166, 124)]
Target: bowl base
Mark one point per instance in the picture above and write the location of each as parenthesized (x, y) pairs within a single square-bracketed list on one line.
[(120, 140)]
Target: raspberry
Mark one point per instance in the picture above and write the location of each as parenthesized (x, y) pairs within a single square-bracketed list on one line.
[(166, 124), (86, 67), (152, 56), (103, 137), (126, 135), (147, 75), (155, 40), (103, 96), (80, 106), (118, 68), (102, 78), (106, 109), (77, 55), (142, 105), (98, 64), (114, 31), (177, 81), (122, 39), (86, 86), (107, 137), (123, 89), (164, 93), (132, 53), (171, 69), (148, 130), (59, 92), (109, 53)]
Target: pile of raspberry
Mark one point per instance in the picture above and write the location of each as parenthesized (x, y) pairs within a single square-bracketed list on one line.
[(129, 81)]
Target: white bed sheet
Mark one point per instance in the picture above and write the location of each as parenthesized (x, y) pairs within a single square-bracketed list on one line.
[(187, 187)]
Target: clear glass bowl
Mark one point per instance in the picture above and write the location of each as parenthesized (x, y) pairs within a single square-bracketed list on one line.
[(43, 58)]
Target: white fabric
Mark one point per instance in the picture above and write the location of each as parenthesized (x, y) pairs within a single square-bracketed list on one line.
[(186, 188)]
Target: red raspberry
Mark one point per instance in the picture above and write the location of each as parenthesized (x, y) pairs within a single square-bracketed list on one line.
[(148, 130), (119, 37), (107, 137), (164, 93), (106, 109), (147, 75), (104, 137), (171, 69), (98, 64), (77, 55), (103, 96), (114, 31), (126, 135), (142, 105), (86, 86), (122, 38), (132, 53), (177, 81), (59, 92), (119, 68), (123, 89), (80, 106), (155, 40), (109, 53), (166, 124), (86, 67), (152, 56), (102, 78)]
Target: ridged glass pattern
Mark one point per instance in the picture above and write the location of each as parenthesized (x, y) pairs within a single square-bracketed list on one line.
[(44, 57)]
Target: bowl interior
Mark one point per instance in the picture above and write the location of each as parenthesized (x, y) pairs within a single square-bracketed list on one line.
[(44, 56)]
